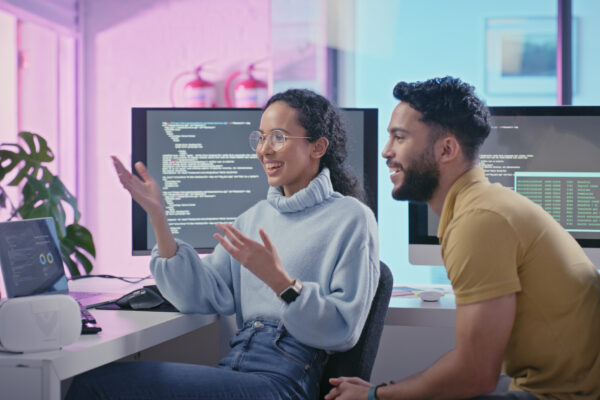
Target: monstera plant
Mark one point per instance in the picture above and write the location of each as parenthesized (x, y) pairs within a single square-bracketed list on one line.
[(42, 194)]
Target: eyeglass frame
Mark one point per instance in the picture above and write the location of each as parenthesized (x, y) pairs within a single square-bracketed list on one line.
[(275, 146)]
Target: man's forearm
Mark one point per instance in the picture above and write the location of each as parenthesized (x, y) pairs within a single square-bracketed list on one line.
[(452, 377)]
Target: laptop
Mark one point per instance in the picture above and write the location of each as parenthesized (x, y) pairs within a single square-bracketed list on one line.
[(31, 262)]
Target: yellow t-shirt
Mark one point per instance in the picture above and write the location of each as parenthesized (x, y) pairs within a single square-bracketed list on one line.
[(496, 242)]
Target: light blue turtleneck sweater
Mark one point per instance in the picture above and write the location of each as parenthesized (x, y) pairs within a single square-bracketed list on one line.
[(326, 240)]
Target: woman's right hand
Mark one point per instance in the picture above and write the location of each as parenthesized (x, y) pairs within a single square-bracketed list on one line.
[(147, 194), (144, 191)]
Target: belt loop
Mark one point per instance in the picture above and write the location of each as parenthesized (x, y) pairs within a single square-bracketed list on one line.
[(281, 327)]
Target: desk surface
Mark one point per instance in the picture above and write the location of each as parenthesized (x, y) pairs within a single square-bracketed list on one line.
[(412, 311), (128, 332), (123, 333)]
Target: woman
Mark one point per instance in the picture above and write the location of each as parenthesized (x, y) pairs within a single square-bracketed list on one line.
[(298, 269)]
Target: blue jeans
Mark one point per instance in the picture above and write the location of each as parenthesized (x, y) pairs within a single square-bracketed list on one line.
[(265, 362)]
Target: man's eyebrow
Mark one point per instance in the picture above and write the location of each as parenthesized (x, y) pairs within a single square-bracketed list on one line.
[(398, 129)]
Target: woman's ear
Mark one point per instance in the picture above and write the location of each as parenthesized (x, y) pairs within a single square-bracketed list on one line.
[(320, 147)]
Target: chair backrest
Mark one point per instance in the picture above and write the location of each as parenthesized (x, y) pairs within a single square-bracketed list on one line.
[(359, 360)]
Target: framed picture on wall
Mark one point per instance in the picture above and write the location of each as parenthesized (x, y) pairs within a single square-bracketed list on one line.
[(521, 56)]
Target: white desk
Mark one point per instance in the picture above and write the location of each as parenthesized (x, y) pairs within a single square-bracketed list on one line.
[(412, 311), (38, 375), (415, 335)]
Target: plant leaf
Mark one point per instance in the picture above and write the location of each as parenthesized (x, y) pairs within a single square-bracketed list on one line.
[(60, 193), (9, 159), (44, 195), (2, 197), (84, 261), (38, 147), (78, 238), (72, 265), (38, 153), (81, 237)]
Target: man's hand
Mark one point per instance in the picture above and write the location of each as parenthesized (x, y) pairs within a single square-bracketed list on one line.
[(471, 369), (262, 260), (348, 389)]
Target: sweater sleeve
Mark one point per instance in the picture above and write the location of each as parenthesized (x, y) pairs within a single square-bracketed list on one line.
[(194, 284), (330, 315)]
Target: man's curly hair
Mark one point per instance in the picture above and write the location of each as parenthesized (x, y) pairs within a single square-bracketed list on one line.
[(449, 105)]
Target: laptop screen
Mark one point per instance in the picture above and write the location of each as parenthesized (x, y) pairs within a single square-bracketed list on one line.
[(30, 258)]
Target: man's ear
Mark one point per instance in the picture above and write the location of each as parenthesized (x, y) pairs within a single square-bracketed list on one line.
[(320, 147), (448, 148)]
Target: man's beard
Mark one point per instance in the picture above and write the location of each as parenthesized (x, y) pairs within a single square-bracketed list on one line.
[(420, 181)]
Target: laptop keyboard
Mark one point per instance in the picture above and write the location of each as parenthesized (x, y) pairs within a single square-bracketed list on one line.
[(82, 295), (88, 322)]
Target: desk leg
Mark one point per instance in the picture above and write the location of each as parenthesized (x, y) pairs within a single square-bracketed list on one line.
[(51, 382), (29, 380)]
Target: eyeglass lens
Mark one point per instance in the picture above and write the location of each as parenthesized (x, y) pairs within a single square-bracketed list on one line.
[(276, 139)]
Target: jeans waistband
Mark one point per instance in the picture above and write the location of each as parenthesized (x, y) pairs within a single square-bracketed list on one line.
[(262, 322)]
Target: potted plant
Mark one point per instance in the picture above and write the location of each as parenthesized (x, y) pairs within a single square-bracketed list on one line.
[(44, 195)]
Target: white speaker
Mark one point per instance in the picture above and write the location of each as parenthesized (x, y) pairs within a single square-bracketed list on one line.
[(39, 323)]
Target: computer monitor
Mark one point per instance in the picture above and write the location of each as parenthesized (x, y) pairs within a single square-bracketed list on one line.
[(549, 154), (208, 174)]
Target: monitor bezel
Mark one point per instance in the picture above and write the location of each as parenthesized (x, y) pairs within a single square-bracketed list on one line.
[(139, 146), (418, 212)]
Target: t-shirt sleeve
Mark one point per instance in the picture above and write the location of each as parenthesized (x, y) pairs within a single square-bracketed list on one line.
[(480, 250)]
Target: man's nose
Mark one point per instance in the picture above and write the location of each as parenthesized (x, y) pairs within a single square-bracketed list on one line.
[(386, 153)]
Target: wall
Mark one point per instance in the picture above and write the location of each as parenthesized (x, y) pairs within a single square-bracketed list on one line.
[(586, 85), (8, 78), (132, 52), (418, 39)]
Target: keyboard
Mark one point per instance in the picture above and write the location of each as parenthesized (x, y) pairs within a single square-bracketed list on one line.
[(88, 322)]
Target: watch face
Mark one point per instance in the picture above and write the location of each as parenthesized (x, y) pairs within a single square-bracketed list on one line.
[(289, 294)]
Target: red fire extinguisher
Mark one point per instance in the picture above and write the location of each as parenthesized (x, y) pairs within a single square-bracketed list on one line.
[(249, 92), (197, 92)]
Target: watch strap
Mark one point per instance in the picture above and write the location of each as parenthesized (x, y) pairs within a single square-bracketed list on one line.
[(373, 392)]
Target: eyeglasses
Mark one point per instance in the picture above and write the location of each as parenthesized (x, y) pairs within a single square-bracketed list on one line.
[(276, 139)]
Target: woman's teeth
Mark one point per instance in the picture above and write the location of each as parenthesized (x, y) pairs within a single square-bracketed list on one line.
[(272, 165)]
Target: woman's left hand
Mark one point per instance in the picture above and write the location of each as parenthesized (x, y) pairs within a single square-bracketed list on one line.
[(262, 260), (348, 388)]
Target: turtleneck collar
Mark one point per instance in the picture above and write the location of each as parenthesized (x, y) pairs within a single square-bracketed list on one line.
[(317, 191)]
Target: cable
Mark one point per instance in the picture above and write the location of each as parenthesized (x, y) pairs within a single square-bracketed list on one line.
[(122, 278)]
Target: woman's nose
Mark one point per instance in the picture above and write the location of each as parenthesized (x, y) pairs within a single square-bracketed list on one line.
[(265, 147)]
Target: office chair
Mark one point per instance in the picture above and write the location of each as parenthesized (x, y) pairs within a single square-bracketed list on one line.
[(359, 360)]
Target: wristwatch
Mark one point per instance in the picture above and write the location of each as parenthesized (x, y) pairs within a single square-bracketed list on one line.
[(372, 395), (292, 292)]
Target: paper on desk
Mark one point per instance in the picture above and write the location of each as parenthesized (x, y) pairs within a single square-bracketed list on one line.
[(412, 291)]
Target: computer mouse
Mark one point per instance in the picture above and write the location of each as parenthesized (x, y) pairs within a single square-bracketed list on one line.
[(141, 299), (430, 295)]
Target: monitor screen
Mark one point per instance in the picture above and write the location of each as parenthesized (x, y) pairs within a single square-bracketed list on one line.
[(30, 258), (550, 155), (202, 161)]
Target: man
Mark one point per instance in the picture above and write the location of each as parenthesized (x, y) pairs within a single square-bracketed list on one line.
[(527, 297)]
